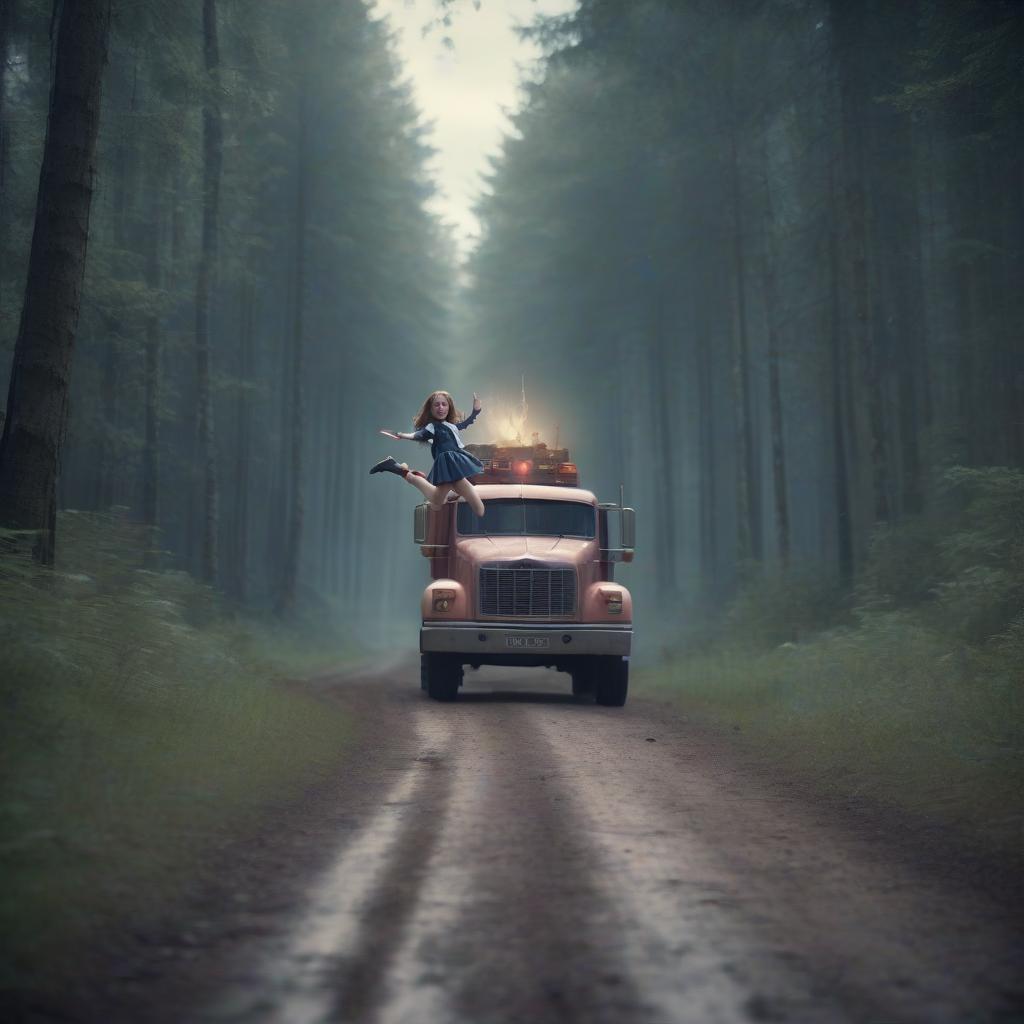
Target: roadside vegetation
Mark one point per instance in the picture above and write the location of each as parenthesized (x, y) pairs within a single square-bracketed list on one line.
[(909, 693), (143, 726)]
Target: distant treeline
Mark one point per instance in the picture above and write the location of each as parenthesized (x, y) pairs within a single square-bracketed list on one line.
[(762, 256), (769, 256), (260, 273)]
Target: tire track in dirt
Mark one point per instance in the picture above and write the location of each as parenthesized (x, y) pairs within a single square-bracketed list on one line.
[(726, 877), (328, 965), (511, 926), (547, 861)]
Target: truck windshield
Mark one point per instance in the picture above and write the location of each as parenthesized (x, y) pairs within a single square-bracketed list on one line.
[(515, 517)]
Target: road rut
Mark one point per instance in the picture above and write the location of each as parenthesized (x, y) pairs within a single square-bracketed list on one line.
[(529, 858)]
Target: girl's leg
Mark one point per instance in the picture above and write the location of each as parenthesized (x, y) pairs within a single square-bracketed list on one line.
[(435, 495), (466, 489)]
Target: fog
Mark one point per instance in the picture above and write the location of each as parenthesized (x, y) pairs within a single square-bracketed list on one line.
[(756, 263)]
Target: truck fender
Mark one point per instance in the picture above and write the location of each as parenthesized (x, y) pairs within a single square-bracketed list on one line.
[(458, 602), (596, 603)]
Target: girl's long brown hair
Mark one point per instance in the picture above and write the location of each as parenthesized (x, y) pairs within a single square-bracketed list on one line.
[(424, 417)]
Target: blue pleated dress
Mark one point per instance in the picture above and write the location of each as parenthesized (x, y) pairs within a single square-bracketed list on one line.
[(451, 461)]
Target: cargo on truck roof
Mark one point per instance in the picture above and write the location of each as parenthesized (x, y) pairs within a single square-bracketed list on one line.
[(524, 464)]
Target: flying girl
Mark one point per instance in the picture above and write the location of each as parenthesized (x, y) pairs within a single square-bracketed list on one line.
[(438, 424)]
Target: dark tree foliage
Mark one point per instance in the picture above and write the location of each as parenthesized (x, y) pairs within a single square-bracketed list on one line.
[(323, 289), (763, 253), (760, 258)]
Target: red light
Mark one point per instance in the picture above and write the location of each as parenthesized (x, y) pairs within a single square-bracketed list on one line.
[(522, 468), (567, 467)]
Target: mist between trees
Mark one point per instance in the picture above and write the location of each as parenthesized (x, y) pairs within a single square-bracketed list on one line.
[(263, 289), (760, 259), (765, 257)]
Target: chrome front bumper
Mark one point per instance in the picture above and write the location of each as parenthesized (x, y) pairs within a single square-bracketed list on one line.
[(511, 638)]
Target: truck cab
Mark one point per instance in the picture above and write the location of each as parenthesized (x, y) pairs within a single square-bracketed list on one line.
[(531, 583)]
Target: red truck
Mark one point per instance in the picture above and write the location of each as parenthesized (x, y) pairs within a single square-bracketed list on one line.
[(531, 583)]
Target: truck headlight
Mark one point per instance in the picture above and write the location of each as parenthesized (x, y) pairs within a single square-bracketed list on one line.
[(443, 600), (612, 601)]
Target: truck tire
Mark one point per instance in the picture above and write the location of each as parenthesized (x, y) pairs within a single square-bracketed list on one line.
[(443, 674), (612, 682), (584, 674)]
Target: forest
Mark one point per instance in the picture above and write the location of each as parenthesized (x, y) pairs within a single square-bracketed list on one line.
[(259, 262), (756, 262), (781, 238), (784, 238)]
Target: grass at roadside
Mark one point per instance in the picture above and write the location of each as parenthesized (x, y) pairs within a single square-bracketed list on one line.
[(140, 730), (887, 713), (909, 691)]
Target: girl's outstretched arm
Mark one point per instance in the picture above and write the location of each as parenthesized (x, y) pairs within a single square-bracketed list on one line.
[(418, 435), (468, 421)]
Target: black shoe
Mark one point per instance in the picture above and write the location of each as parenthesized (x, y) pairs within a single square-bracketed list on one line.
[(388, 465)]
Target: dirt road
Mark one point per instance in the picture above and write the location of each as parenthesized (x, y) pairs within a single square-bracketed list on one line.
[(518, 857)]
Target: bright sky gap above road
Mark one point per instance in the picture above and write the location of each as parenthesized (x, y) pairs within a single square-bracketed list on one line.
[(465, 91)]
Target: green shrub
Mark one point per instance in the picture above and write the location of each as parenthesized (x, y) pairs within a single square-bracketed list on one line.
[(983, 555), (141, 725), (889, 711), (903, 565), (916, 698), (778, 608)]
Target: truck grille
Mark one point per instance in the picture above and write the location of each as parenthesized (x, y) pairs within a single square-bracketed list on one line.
[(524, 589)]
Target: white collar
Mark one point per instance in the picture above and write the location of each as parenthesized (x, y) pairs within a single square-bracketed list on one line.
[(451, 426)]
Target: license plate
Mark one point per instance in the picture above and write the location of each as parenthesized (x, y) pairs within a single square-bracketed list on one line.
[(527, 642)]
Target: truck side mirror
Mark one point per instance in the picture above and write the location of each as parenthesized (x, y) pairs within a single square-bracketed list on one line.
[(628, 528), (627, 533), (429, 530)]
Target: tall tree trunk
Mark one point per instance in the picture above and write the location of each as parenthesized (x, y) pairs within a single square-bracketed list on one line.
[(778, 450), (241, 530), (109, 473), (151, 451), (913, 349), (328, 527), (277, 517), (855, 97), (212, 158), (708, 464), (667, 515), (929, 247), (337, 521), (356, 500), (1013, 308), (770, 283), (841, 479), (748, 489), (968, 315), (6, 28), (106, 469), (37, 399), (286, 604), (152, 355)]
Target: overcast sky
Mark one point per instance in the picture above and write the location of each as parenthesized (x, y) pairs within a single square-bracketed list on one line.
[(466, 91)]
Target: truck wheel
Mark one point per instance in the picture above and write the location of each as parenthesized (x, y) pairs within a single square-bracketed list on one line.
[(443, 675), (612, 682), (583, 675)]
